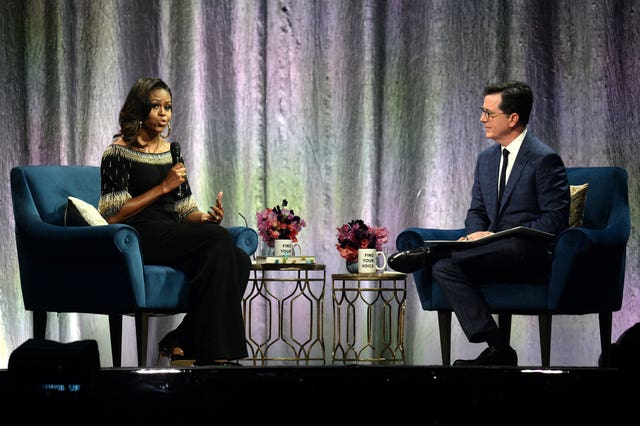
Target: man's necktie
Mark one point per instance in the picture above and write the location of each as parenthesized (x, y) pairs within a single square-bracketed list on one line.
[(503, 174)]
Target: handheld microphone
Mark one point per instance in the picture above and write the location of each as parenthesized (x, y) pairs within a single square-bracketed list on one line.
[(176, 156)]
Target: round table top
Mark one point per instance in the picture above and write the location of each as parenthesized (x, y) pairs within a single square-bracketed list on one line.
[(383, 275), (262, 266)]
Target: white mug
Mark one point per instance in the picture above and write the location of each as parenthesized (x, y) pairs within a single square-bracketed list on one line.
[(286, 248), (368, 261)]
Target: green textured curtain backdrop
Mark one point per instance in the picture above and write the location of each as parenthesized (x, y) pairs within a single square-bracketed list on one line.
[(348, 109)]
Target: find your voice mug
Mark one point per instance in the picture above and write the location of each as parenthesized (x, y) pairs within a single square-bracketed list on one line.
[(370, 261), (286, 248)]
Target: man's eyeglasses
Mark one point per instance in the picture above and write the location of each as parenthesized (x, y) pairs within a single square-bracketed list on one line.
[(488, 115)]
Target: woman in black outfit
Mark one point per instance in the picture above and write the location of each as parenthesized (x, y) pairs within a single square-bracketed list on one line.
[(140, 188)]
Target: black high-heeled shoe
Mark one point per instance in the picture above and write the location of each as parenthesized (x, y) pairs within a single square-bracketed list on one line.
[(175, 355)]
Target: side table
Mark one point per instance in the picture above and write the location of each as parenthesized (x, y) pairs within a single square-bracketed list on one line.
[(368, 317), (283, 312)]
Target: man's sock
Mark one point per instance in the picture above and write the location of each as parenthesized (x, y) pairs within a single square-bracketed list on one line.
[(497, 339)]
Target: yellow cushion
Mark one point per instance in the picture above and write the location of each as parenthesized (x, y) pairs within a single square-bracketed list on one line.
[(578, 197)]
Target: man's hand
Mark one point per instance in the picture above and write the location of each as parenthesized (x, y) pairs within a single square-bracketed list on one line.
[(475, 236)]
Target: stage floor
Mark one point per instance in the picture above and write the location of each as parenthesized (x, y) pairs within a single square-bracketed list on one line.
[(337, 395)]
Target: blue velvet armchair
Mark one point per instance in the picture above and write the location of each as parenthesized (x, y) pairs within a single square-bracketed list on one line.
[(587, 273), (90, 269)]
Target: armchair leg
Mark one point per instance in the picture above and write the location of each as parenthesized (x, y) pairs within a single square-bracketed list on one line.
[(39, 324), (444, 325), (504, 324), (142, 334), (605, 320), (115, 332), (544, 323)]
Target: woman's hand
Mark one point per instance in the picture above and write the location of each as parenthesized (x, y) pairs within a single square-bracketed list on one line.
[(176, 176), (216, 212)]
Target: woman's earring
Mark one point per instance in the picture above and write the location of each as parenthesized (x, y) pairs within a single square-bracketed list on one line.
[(139, 128), (168, 130)]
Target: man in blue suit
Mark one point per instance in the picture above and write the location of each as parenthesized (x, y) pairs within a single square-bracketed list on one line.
[(519, 181)]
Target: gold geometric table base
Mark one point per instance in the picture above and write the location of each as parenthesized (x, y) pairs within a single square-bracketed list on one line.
[(368, 317), (283, 312)]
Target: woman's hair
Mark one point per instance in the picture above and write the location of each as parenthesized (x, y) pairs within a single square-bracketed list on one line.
[(136, 108)]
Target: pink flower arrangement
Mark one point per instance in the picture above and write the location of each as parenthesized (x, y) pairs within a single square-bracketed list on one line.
[(356, 235), (279, 223)]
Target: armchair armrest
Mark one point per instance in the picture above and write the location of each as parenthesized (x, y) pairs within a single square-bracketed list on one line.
[(584, 264), (58, 256), (412, 238), (56, 261), (244, 237)]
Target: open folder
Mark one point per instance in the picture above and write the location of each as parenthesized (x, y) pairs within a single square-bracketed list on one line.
[(518, 231)]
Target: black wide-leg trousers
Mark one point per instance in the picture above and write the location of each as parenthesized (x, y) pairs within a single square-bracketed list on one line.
[(218, 271)]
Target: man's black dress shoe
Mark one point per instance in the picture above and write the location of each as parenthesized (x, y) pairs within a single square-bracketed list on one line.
[(216, 363), (409, 261), (492, 356)]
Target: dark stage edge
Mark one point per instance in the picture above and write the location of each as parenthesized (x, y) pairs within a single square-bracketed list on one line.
[(356, 394)]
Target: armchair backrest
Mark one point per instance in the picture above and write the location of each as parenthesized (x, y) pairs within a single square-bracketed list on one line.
[(607, 196), (588, 268), (71, 269), (44, 189)]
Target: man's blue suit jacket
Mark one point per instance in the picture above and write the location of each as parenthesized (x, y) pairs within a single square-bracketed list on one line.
[(536, 195)]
